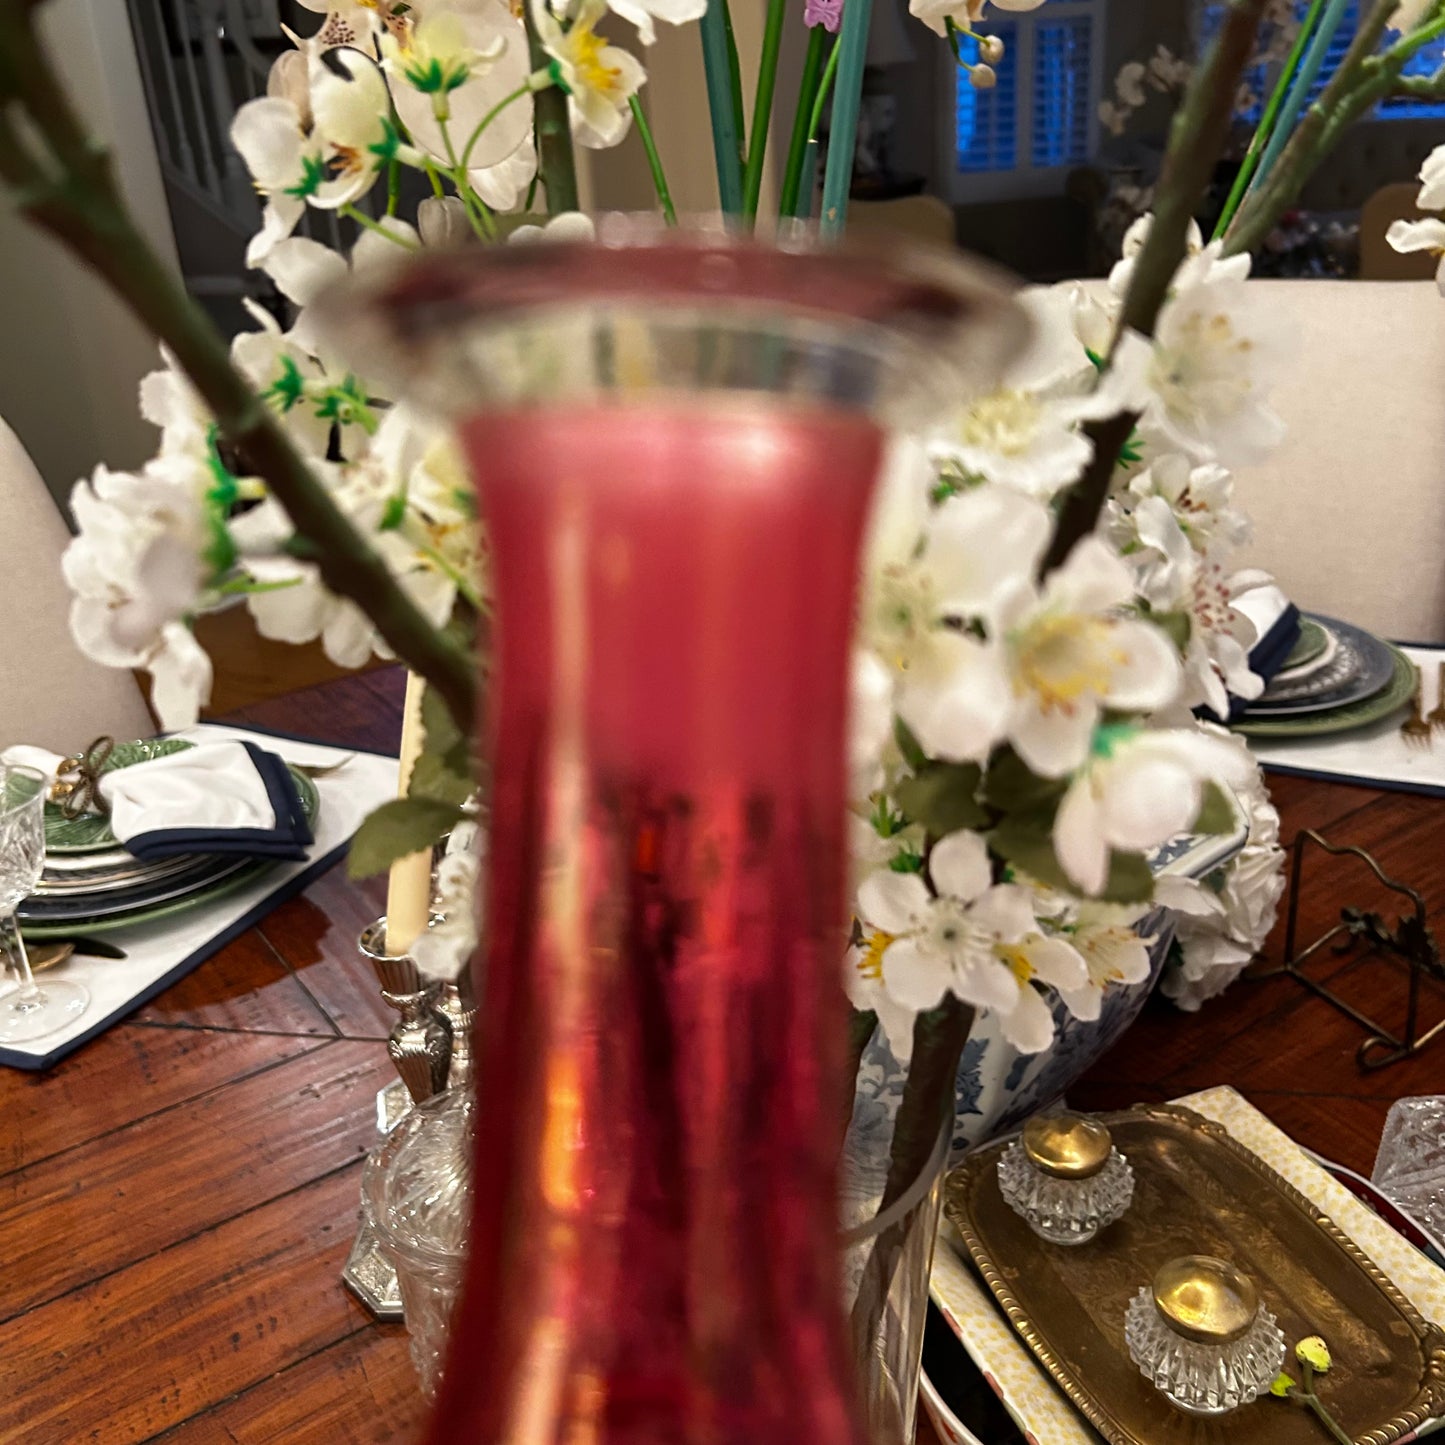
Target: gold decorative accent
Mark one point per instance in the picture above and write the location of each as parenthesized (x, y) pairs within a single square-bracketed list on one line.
[(1196, 1184), (76, 788), (1205, 1299), (1067, 1146)]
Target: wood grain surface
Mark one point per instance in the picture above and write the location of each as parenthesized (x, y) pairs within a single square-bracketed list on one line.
[(177, 1198)]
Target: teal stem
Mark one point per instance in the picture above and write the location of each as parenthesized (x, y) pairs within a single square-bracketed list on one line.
[(1303, 83), (798, 143), (763, 108), (1266, 126), (714, 33), (843, 131), (735, 79), (654, 161)]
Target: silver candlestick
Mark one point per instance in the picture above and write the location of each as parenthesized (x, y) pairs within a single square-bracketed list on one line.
[(423, 1046)]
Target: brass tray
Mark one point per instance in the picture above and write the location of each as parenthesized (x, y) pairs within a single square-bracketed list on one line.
[(1199, 1191)]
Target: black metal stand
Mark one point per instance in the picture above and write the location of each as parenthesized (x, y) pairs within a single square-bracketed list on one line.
[(1409, 944)]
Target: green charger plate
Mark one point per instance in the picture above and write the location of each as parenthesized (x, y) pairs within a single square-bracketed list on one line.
[(1395, 695)]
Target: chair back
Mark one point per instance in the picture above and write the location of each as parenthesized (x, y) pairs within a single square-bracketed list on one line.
[(51, 694)]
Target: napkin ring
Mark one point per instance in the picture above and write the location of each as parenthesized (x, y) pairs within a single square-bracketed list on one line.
[(76, 789)]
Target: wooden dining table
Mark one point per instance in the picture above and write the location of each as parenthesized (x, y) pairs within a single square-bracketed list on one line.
[(177, 1197)]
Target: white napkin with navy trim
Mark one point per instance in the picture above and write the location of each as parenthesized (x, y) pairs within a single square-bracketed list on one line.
[(228, 796)]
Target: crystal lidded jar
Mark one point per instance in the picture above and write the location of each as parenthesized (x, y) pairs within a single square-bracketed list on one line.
[(675, 437), (1064, 1176)]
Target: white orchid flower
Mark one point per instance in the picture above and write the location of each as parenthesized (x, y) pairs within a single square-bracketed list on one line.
[(599, 78), (1426, 235), (502, 185), (925, 947), (1027, 434), (285, 164), (1071, 656), (467, 64), (642, 13), (927, 573), (937, 13), (137, 570), (1432, 181), (170, 402), (350, 22), (1114, 955), (1138, 788), (1214, 350)]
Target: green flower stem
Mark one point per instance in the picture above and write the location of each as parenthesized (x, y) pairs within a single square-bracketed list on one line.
[(1265, 129), (1196, 140), (735, 78), (1307, 1396), (763, 108), (556, 162), (807, 182), (1363, 79), (434, 176), (726, 125), (72, 194), (798, 142), (478, 215), (354, 213), (654, 161), (843, 131), (488, 118), (815, 117), (1303, 82)]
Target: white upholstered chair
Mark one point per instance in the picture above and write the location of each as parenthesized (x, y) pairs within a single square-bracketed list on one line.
[(50, 694), (1349, 513)]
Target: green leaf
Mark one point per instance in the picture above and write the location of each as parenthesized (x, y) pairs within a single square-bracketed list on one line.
[(1216, 811), (1011, 786), (398, 829), (432, 778), (443, 736), (1024, 839), (909, 745), (943, 797), (906, 861), (1130, 880)]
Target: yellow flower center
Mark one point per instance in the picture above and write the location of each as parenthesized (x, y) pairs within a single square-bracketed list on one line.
[(587, 49), (1065, 657), (1004, 423), (1016, 959), (870, 961)]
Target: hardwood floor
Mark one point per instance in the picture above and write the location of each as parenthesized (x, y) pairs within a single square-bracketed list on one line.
[(177, 1198)]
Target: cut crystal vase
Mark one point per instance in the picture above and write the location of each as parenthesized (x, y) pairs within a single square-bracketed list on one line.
[(674, 437)]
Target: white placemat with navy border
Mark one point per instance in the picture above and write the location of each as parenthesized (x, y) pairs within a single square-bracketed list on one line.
[(1376, 756), (157, 954)]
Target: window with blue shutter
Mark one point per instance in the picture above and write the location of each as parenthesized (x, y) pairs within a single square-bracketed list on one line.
[(1040, 118)]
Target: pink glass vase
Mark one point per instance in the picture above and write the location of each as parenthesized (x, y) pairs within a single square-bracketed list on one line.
[(675, 439)]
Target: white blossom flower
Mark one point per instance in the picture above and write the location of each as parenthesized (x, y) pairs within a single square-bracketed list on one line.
[(1027, 434), (1129, 84), (1198, 497), (1043, 959), (1214, 349), (350, 22), (445, 948), (926, 574), (285, 163), (1115, 954), (924, 947), (600, 78), (1426, 235), (1139, 788), (1071, 655), (170, 402)]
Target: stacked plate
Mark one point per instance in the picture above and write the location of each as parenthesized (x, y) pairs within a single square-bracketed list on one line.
[(91, 883), (1339, 677)]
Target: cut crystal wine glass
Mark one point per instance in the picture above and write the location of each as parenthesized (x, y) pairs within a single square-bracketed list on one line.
[(28, 1010)]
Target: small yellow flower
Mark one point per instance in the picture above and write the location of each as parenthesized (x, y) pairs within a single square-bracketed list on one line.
[(1313, 1351), (1282, 1385)]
